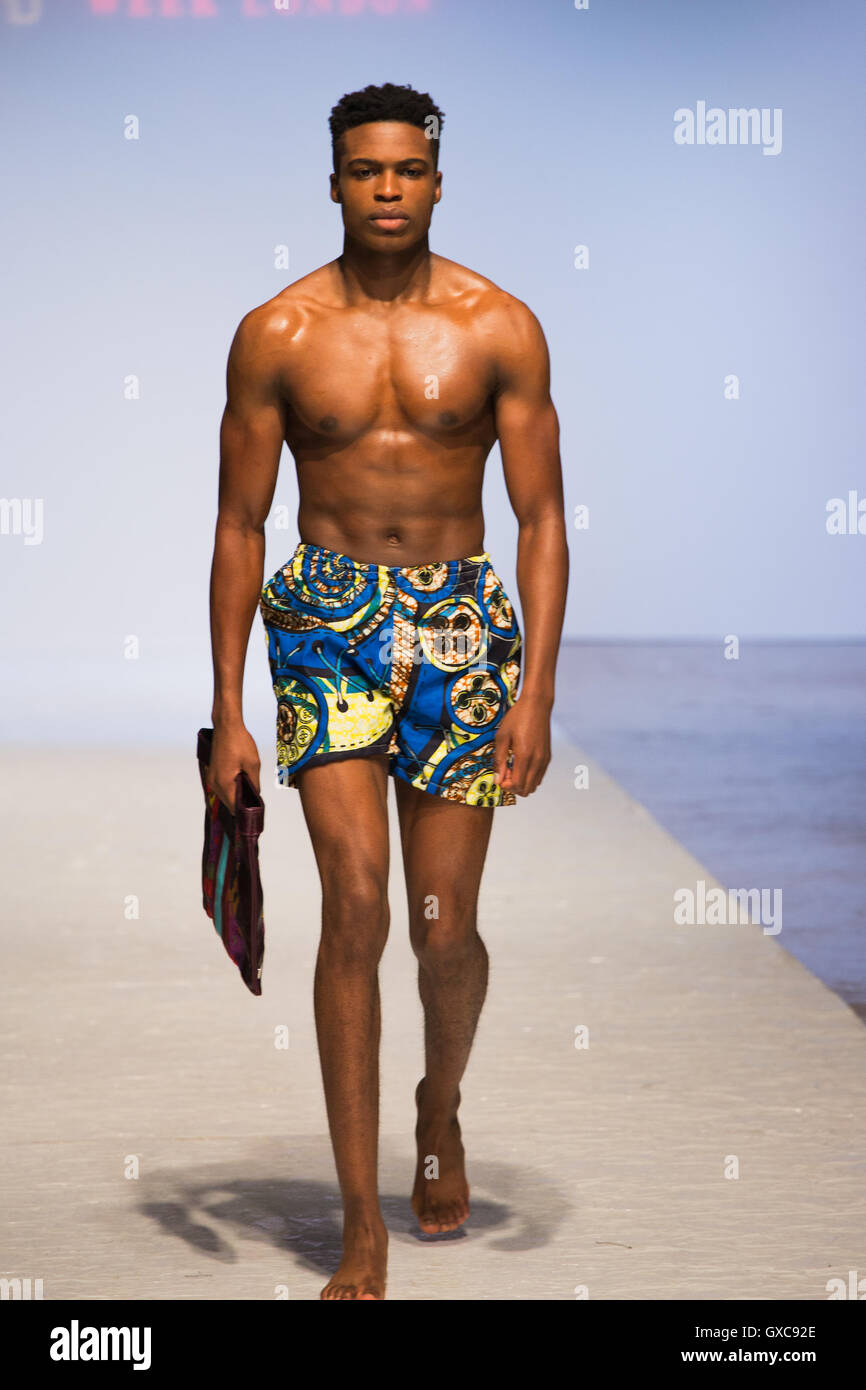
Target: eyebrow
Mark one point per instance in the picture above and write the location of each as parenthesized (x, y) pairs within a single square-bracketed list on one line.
[(368, 159)]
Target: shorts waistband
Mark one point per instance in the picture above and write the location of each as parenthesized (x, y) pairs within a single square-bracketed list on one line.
[(335, 558)]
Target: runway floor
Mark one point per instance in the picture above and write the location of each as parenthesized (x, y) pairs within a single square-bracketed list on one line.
[(708, 1142)]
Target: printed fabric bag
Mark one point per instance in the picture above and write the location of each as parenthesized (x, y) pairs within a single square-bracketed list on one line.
[(230, 878)]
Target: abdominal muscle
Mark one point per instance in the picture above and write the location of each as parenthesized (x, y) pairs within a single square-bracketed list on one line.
[(418, 505)]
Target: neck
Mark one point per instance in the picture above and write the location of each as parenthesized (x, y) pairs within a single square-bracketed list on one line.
[(383, 275)]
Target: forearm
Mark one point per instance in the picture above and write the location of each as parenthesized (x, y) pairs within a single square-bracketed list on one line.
[(542, 579), (236, 581)]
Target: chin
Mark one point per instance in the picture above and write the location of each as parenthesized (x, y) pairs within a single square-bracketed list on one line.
[(381, 240)]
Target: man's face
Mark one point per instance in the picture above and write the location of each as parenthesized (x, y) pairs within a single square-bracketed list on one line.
[(386, 185)]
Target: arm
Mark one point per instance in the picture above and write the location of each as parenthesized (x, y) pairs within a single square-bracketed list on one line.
[(528, 431), (251, 438)]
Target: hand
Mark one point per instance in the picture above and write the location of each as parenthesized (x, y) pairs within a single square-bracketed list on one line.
[(525, 733), (233, 751)]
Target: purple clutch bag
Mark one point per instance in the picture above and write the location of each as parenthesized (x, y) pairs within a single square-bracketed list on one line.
[(230, 879)]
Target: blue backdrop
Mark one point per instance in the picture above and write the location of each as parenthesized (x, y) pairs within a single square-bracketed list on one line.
[(703, 302)]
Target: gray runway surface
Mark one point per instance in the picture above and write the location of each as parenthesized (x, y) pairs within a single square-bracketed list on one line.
[(157, 1144)]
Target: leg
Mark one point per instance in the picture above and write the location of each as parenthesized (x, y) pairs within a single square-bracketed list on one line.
[(444, 848), (346, 810)]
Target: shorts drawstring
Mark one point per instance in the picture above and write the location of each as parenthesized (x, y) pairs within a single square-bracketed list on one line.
[(351, 683)]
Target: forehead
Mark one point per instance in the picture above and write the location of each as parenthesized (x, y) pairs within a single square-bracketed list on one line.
[(386, 141)]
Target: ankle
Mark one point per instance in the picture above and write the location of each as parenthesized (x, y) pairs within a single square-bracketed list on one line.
[(437, 1106), (360, 1218)]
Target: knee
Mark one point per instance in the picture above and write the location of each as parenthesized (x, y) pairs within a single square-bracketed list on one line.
[(355, 915), (444, 943)]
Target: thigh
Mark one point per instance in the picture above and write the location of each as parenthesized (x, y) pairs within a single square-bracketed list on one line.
[(444, 845), (345, 806)]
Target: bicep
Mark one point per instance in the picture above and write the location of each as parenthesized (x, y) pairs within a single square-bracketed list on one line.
[(526, 419), (252, 428)]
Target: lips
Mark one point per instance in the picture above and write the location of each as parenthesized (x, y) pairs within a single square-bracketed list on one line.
[(389, 217)]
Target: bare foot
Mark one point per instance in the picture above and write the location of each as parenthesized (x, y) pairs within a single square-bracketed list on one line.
[(441, 1203), (365, 1257)]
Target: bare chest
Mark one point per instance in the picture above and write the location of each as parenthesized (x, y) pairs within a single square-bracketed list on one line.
[(422, 370)]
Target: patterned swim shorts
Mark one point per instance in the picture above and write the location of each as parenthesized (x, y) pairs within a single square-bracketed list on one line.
[(418, 663)]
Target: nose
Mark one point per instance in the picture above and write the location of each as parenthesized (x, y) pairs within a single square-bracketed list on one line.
[(387, 191)]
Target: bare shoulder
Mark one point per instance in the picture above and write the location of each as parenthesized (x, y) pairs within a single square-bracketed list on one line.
[(507, 320), (275, 324)]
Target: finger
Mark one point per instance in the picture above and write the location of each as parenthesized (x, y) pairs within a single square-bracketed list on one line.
[(508, 775), (501, 745), (543, 764), (519, 769), (535, 772)]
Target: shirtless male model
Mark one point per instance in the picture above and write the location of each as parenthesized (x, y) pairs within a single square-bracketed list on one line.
[(390, 373)]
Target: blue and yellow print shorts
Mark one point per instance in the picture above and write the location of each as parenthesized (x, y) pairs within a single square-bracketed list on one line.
[(418, 663)]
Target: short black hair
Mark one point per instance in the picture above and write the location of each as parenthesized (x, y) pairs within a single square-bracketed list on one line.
[(386, 103)]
